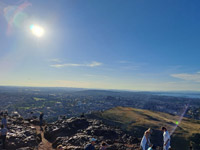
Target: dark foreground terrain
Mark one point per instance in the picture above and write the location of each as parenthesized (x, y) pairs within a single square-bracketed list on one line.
[(121, 127), (73, 133)]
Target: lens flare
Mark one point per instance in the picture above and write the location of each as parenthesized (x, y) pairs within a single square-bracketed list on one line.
[(15, 16), (180, 119), (37, 30)]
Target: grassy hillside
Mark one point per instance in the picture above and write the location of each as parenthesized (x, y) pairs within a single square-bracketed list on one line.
[(137, 121)]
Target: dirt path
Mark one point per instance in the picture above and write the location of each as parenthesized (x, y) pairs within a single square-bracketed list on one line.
[(44, 145)]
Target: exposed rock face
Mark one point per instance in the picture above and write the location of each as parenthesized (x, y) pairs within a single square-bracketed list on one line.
[(75, 133), (21, 135)]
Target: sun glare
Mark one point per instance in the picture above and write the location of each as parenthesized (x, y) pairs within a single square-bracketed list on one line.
[(37, 30)]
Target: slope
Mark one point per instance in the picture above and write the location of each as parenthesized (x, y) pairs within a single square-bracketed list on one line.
[(138, 120)]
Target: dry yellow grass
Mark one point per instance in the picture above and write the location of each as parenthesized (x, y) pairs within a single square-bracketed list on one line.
[(145, 118)]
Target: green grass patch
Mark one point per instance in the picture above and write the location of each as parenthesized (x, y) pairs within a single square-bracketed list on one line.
[(39, 99)]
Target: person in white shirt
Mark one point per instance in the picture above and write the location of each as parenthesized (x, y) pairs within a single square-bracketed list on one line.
[(145, 143), (166, 139)]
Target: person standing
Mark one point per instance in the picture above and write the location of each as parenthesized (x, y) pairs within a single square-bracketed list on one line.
[(145, 142), (3, 134), (91, 145), (4, 121), (31, 115), (41, 120), (166, 139)]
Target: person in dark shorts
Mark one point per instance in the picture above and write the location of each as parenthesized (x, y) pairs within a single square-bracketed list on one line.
[(41, 120), (3, 134)]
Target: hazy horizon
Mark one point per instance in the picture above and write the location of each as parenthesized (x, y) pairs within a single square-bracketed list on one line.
[(116, 45), (102, 89)]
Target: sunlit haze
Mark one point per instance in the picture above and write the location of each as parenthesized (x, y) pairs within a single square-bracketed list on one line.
[(108, 44), (37, 30)]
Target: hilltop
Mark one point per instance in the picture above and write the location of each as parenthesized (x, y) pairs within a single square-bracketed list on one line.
[(121, 127), (136, 121), (73, 133)]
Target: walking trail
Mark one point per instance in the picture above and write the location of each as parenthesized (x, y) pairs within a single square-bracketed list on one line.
[(44, 145)]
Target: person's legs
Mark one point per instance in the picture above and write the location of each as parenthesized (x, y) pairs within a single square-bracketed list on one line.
[(164, 147), (142, 147), (146, 146), (168, 145), (41, 123), (3, 141)]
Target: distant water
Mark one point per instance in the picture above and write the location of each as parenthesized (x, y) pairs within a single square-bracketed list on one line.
[(187, 95)]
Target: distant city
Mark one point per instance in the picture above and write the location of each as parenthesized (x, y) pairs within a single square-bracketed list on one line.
[(69, 102)]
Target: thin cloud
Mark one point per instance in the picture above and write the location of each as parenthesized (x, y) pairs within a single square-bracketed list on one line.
[(93, 64), (188, 77), (65, 65), (55, 60)]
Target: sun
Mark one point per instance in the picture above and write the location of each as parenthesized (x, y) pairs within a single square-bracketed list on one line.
[(37, 30)]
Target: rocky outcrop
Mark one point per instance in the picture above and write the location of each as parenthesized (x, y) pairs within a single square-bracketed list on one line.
[(74, 133), (21, 135)]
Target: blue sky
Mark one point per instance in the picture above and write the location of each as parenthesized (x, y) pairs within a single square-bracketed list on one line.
[(132, 44)]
